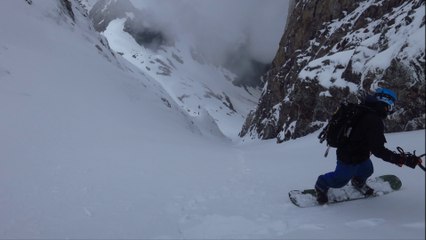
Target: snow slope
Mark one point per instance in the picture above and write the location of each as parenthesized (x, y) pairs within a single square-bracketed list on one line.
[(90, 147), (198, 87)]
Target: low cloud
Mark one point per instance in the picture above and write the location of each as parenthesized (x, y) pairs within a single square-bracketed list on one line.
[(220, 27)]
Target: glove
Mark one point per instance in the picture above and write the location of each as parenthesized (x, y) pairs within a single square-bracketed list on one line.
[(406, 158), (412, 160), (398, 159)]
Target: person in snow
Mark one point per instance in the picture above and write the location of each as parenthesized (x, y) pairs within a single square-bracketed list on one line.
[(353, 159)]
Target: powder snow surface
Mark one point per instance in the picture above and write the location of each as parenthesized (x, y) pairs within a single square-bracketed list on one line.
[(90, 149)]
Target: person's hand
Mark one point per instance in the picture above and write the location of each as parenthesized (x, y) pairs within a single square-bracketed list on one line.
[(398, 159), (412, 160), (406, 158)]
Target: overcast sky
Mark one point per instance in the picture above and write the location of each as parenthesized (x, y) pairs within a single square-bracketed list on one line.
[(219, 25)]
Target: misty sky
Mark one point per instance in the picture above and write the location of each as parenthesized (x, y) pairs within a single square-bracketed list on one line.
[(217, 26)]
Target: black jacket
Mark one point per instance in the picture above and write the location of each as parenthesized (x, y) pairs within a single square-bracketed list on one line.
[(367, 137)]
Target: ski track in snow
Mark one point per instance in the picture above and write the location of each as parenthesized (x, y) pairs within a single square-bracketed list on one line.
[(244, 209)]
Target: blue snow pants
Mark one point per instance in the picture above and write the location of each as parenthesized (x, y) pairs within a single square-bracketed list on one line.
[(344, 173)]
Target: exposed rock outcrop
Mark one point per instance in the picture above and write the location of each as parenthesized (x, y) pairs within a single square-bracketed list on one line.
[(334, 50)]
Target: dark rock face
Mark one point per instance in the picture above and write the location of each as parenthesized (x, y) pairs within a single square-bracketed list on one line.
[(335, 50), (67, 4)]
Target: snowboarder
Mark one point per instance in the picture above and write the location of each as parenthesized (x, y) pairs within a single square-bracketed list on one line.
[(353, 159)]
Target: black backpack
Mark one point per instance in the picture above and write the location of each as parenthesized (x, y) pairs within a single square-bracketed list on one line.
[(340, 126)]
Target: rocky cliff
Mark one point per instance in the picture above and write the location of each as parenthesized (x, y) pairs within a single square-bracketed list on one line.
[(335, 50)]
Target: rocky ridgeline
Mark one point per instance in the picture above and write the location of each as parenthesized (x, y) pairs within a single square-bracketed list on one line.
[(335, 50)]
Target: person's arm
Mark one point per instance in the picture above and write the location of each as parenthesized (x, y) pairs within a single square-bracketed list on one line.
[(376, 141)]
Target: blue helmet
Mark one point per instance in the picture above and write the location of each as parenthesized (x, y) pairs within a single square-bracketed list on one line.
[(387, 96)]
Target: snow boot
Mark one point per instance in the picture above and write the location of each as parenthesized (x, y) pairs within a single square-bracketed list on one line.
[(322, 197), (362, 187)]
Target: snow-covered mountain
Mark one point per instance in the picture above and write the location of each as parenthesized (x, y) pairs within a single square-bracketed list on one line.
[(87, 4), (60, 79), (198, 86), (91, 147), (340, 50)]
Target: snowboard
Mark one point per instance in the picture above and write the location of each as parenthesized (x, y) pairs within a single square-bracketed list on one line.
[(381, 185)]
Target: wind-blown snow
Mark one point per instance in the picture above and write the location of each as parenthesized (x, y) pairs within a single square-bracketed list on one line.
[(90, 147)]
